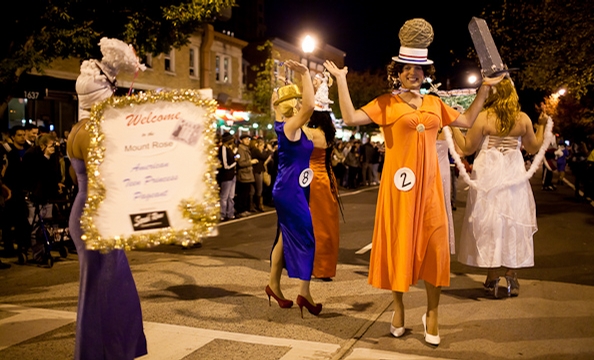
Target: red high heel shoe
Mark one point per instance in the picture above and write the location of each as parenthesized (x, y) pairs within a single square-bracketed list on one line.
[(283, 303), (313, 309)]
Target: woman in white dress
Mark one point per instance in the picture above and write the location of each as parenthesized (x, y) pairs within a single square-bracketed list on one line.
[(500, 218)]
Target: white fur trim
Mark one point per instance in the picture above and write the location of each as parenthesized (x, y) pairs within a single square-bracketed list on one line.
[(538, 158)]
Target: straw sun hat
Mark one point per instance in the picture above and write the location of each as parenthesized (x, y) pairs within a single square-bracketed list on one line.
[(287, 92)]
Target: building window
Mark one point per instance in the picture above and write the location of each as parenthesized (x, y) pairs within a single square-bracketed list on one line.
[(170, 61), (244, 72), (218, 68), (283, 72), (276, 69), (147, 60), (226, 69), (193, 62), (291, 75), (223, 69)]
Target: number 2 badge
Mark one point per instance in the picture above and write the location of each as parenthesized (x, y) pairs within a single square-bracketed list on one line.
[(404, 179), (305, 177)]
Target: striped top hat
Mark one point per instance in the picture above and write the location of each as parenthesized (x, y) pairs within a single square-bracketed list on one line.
[(415, 36)]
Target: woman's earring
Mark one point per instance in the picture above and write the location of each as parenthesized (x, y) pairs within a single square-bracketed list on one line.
[(395, 82)]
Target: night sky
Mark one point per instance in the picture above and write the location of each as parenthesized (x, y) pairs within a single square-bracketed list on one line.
[(369, 34)]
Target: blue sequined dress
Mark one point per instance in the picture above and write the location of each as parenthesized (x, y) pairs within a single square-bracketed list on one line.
[(291, 199)]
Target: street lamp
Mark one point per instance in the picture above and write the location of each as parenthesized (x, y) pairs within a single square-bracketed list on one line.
[(472, 79), (558, 94), (308, 45)]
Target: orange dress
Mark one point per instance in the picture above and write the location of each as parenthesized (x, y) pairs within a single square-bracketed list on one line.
[(324, 212), (410, 238)]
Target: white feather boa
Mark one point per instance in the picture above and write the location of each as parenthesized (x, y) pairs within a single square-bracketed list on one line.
[(538, 158)]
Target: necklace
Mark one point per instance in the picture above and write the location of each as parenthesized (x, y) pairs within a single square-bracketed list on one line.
[(400, 91)]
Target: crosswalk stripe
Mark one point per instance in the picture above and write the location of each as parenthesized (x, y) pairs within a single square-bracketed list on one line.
[(173, 342), (370, 354), (165, 341), (29, 323)]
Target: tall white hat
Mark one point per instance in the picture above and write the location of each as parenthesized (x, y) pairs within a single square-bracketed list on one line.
[(415, 36)]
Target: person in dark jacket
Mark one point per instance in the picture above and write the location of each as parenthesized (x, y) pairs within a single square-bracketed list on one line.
[(245, 176), (227, 176), (43, 176), (5, 194), (259, 152), (15, 228)]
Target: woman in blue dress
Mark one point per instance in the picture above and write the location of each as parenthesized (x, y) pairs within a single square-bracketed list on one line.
[(294, 246)]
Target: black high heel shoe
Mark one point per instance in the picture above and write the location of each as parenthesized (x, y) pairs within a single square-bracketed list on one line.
[(283, 303), (313, 309)]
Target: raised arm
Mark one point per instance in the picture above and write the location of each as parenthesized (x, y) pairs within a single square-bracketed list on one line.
[(469, 143), (531, 141), (294, 123), (467, 119), (350, 116)]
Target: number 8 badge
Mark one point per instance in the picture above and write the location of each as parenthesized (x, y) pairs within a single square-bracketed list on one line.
[(306, 177)]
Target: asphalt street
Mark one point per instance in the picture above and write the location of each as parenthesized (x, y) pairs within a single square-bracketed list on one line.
[(209, 302)]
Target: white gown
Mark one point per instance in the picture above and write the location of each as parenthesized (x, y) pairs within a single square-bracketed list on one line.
[(500, 217), (444, 170)]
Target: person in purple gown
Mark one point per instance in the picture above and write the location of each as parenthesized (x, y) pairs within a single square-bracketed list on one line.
[(109, 318)]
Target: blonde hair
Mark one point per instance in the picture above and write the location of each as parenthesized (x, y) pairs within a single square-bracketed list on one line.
[(503, 102), (288, 107)]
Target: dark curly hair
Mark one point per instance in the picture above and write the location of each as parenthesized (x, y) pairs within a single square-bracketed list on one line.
[(395, 68)]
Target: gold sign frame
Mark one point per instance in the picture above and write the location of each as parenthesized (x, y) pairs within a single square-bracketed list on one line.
[(202, 214)]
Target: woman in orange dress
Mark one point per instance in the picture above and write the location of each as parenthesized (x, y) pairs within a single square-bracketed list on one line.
[(323, 199), (410, 239)]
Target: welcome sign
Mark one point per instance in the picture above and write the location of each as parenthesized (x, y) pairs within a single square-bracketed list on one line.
[(151, 167)]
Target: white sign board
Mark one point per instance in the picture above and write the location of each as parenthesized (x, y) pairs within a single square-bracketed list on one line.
[(151, 167)]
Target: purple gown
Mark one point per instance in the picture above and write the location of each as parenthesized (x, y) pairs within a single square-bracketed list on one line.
[(291, 199), (109, 319)]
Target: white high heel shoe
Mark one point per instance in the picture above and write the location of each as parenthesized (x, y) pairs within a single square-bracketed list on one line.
[(430, 339), (396, 332), (513, 286)]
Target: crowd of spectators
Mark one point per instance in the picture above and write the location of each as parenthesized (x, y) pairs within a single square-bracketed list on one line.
[(247, 170), (34, 173), (579, 157)]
